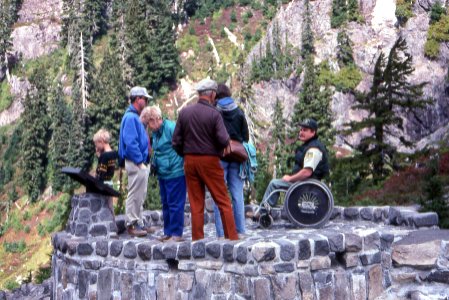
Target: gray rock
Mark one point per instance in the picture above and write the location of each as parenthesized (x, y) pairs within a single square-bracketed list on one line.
[(198, 249), (370, 258), (144, 250), (81, 230), (425, 219), (85, 249), (104, 285), (351, 213), (321, 247), (92, 264), (95, 205), (306, 285), (287, 249), (98, 230), (285, 286), (228, 252), (371, 241), (353, 242), (83, 283), (304, 249), (101, 248), (184, 250), (116, 248), (157, 252), (350, 259), (386, 239), (105, 215), (221, 283), (84, 215), (441, 276), (242, 253), (263, 251), (213, 249), (169, 250), (320, 262), (284, 267), (126, 286), (336, 241), (366, 213), (322, 278), (336, 212), (129, 250), (262, 288), (342, 290)]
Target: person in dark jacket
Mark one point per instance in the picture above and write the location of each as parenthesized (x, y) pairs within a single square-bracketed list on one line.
[(237, 127), (133, 150), (201, 137), (311, 161), (106, 156), (169, 168)]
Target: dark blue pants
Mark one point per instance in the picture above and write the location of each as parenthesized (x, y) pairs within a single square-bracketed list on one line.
[(173, 198)]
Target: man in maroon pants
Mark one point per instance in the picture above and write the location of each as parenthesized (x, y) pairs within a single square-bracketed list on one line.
[(200, 136)]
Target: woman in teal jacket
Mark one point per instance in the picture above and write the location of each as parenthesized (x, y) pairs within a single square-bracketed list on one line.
[(169, 168)]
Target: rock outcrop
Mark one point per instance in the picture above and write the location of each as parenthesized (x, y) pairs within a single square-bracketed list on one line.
[(376, 34)]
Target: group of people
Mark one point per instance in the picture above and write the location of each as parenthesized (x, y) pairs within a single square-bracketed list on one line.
[(190, 156)]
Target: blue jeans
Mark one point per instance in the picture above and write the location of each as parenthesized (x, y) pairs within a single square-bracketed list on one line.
[(275, 184), (173, 198), (235, 186)]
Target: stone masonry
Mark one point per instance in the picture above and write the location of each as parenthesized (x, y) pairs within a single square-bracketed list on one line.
[(362, 253)]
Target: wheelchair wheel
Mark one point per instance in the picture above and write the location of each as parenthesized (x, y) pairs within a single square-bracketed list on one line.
[(309, 203), (265, 220)]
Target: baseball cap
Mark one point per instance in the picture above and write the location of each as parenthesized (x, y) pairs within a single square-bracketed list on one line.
[(139, 91), (206, 85), (309, 123)]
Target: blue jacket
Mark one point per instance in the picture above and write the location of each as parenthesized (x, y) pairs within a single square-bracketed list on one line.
[(133, 144), (249, 167), (167, 162)]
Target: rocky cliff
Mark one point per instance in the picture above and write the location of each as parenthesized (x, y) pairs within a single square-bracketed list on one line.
[(38, 28), (376, 34)]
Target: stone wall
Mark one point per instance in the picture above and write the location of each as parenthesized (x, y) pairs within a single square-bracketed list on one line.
[(363, 253)]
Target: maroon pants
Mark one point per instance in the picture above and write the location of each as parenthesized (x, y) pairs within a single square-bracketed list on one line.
[(202, 171)]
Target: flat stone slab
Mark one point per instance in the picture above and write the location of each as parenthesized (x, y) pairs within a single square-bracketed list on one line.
[(423, 236)]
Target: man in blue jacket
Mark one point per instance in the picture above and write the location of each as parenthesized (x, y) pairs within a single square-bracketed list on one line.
[(133, 150)]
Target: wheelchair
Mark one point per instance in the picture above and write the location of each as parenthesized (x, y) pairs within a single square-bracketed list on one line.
[(308, 204)]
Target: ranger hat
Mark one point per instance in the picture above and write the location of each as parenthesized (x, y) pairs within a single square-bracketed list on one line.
[(309, 123), (206, 85), (139, 91)]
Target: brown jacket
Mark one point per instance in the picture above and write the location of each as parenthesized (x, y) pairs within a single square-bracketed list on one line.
[(200, 130)]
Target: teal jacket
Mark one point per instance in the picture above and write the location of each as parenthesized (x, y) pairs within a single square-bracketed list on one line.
[(167, 162)]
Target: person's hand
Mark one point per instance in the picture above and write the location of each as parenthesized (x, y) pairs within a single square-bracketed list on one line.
[(286, 178), (227, 149), (142, 166)]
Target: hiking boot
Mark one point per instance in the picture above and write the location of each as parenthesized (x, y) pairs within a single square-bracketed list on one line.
[(136, 230)]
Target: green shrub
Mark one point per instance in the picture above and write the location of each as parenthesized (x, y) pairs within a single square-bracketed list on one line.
[(41, 229), (233, 16), (26, 216), (437, 33), (5, 95), (436, 12), (14, 221), (43, 273), (153, 199), (27, 229), (11, 285), (348, 78), (404, 11), (15, 247), (244, 2), (188, 42), (192, 30)]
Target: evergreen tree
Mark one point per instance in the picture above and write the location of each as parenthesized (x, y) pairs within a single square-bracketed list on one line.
[(35, 135), (150, 43), (354, 11), (344, 49), (278, 137), (59, 148), (390, 94), (339, 13), (8, 15), (307, 34), (108, 97)]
